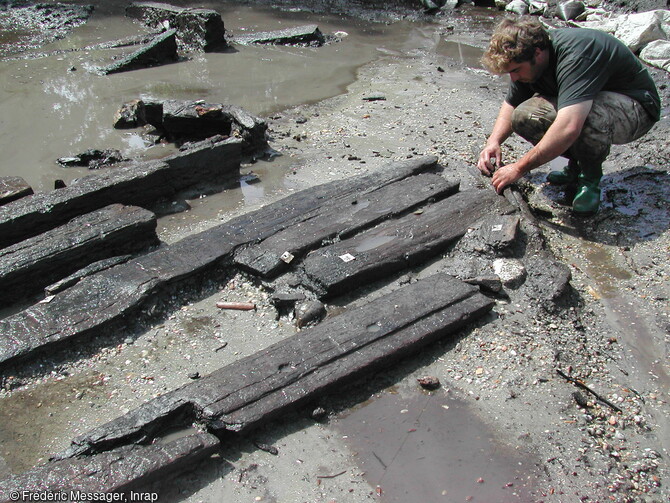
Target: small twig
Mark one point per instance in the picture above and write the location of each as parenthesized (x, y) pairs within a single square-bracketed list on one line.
[(331, 476), (585, 387)]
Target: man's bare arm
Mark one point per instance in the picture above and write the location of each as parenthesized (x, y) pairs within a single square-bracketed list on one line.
[(502, 129), (559, 137)]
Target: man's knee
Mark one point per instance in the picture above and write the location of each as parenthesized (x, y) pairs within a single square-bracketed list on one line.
[(532, 118)]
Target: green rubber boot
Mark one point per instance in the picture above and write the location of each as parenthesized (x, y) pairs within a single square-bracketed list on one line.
[(587, 200), (567, 176)]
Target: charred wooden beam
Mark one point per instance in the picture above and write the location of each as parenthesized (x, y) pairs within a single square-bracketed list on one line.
[(12, 188), (72, 279), (160, 51), (29, 266), (119, 471), (197, 120), (107, 299), (250, 391), (397, 244), (301, 35), (197, 29), (139, 184), (341, 219)]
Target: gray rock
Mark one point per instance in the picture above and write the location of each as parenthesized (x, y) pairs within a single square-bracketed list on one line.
[(511, 272), (657, 53), (517, 7), (570, 10), (638, 30)]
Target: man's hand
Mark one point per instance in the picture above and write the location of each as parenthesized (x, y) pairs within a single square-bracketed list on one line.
[(506, 175), (484, 163)]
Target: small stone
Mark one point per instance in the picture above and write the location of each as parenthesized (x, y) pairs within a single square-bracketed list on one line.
[(319, 413), (429, 382), (267, 448), (511, 272)]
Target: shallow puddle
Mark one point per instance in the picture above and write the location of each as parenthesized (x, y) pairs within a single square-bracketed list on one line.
[(372, 242), (54, 106), (432, 447), (31, 418)]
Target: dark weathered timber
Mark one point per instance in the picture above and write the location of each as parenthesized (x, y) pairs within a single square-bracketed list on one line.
[(197, 120), (139, 184), (105, 300), (97, 266), (197, 29), (122, 470), (131, 115), (502, 233), (201, 29), (397, 244), (160, 51), (29, 266), (13, 188), (301, 35), (152, 13), (341, 219), (548, 279), (250, 391)]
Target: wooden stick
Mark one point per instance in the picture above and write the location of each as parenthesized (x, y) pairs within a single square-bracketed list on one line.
[(585, 387), (331, 476), (240, 306)]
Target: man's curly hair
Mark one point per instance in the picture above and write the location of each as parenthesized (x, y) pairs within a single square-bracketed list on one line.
[(514, 40)]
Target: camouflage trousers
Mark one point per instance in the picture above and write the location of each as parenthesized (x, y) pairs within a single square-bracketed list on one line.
[(614, 119)]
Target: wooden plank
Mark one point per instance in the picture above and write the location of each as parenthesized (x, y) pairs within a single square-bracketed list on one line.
[(159, 51), (338, 351), (300, 35), (29, 266), (342, 218), (92, 268), (250, 391), (140, 184), (397, 244), (197, 119), (12, 188), (117, 471), (104, 301)]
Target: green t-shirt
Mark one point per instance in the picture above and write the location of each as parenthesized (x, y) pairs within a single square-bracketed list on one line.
[(584, 62)]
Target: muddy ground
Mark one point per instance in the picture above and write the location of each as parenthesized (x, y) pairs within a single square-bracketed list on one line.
[(504, 426)]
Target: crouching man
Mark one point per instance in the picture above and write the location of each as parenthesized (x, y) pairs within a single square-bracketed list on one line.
[(574, 92)]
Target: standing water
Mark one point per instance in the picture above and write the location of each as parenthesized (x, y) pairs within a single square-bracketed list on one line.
[(55, 105)]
